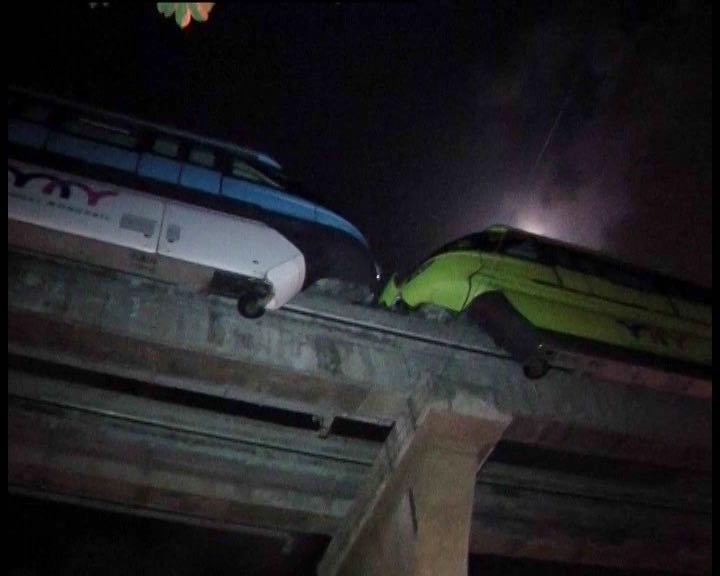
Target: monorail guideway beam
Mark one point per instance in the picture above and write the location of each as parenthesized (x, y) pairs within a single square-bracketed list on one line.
[(328, 358), (331, 358), (113, 450)]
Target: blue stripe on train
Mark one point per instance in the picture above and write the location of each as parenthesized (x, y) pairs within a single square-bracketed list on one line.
[(282, 203), (328, 218), (202, 179), (159, 168), (92, 151), (263, 197), (174, 172), (27, 133)]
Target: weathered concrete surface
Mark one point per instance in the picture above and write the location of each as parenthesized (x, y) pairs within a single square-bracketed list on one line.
[(589, 530), (92, 445), (412, 516), (344, 359), (151, 457)]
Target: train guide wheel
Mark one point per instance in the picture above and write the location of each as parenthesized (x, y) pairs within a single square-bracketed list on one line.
[(535, 367), (250, 306)]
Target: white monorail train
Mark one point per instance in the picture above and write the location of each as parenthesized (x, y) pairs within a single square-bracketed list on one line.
[(120, 193), (55, 212)]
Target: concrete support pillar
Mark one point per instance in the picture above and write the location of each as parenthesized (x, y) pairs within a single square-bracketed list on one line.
[(418, 520)]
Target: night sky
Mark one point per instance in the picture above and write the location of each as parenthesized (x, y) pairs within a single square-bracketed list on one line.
[(419, 123)]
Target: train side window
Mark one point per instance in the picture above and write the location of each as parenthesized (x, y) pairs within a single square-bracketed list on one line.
[(680, 289), (489, 241), (36, 113), (166, 147), (564, 258), (618, 274), (202, 156), (482, 241), (525, 248), (242, 169), (462, 244), (101, 131)]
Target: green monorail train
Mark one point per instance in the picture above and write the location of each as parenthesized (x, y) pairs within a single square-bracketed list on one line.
[(547, 303)]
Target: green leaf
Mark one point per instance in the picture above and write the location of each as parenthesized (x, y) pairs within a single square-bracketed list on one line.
[(165, 8), (180, 13), (185, 12), (195, 12)]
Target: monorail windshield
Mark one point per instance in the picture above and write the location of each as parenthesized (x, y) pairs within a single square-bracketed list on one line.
[(525, 246)]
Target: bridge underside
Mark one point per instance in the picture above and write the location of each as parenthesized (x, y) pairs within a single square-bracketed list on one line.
[(323, 419)]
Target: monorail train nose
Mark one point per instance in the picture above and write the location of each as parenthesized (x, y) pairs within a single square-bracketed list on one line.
[(220, 212), (287, 280), (390, 294)]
